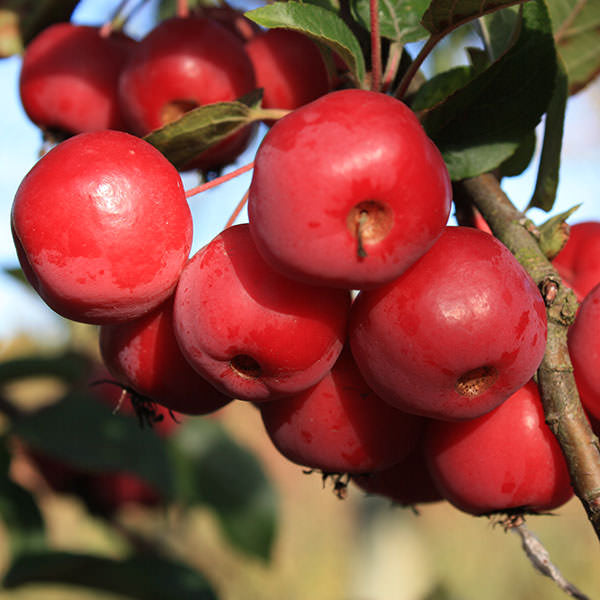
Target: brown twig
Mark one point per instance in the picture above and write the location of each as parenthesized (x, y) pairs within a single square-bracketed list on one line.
[(562, 407)]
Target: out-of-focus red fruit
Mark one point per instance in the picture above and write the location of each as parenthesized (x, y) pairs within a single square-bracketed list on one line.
[(106, 493), (69, 78), (233, 20), (144, 355), (503, 462), (578, 263), (289, 67), (181, 64), (456, 334), (407, 483), (340, 425), (584, 350)]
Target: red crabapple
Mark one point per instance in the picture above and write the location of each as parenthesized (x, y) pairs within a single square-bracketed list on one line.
[(69, 78), (102, 227), (289, 67), (505, 461), (181, 64), (143, 354), (406, 483), (251, 332), (584, 349), (340, 425), (456, 334), (578, 263), (347, 191)]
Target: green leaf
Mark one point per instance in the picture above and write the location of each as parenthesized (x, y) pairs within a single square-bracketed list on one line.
[(22, 20), (23, 521), (483, 123), (497, 30), (443, 16), (514, 165), (319, 23), (200, 128), (440, 86), (577, 32), (212, 469), (399, 20), (70, 366), (17, 273), (548, 171), (84, 433), (554, 234), (145, 577)]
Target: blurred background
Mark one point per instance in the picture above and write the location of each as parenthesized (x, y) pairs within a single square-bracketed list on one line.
[(359, 548)]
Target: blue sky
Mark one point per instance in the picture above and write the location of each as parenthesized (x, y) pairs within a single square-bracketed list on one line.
[(20, 142)]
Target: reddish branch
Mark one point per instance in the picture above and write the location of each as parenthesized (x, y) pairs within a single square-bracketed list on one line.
[(218, 180), (562, 407), (375, 46)]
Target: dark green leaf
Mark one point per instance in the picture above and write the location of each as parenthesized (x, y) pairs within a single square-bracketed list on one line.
[(577, 32), (478, 58), (399, 20), (439, 87), (85, 433), (201, 128), (23, 521), (17, 274), (22, 20), (514, 165), (443, 16), (498, 30), (548, 171), (212, 469), (319, 23), (144, 577), (69, 367), (332, 5), (483, 123)]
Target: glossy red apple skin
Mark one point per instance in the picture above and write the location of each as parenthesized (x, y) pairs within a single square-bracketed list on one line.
[(505, 461), (102, 227), (231, 306), (456, 334), (289, 67), (181, 64), (340, 425), (584, 350), (144, 355), (406, 483), (321, 165), (69, 78), (578, 263)]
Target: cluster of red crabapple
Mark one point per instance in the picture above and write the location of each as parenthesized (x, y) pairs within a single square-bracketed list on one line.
[(418, 385)]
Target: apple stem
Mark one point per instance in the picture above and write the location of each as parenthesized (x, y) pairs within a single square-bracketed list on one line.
[(218, 180), (237, 210), (375, 46), (391, 67), (416, 64), (259, 114), (183, 10), (118, 19), (362, 221)]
